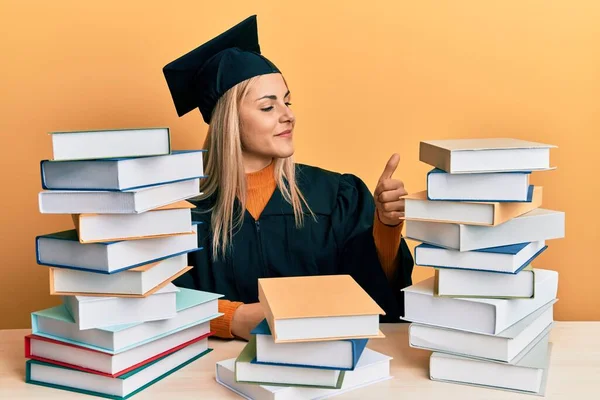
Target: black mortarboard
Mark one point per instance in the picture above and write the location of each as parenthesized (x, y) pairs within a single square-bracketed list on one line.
[(200, 77)]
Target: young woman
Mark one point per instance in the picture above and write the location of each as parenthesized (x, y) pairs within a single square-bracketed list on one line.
[(264, 215)]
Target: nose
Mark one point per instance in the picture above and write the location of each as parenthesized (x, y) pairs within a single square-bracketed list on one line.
[(287, 116)]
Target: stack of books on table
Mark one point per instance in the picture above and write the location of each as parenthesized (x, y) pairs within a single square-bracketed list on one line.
[(122, 324), (312, 343), (487, 312)]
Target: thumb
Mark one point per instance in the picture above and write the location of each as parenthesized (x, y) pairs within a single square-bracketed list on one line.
[(390, 167)]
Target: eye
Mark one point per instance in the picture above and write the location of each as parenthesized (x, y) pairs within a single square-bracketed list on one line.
[(288, 104), (266, 109)]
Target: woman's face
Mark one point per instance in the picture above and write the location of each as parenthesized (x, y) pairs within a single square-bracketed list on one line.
[(267, 122)]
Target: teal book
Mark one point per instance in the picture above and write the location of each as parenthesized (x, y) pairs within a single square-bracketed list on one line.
[(194, 307), (122, 387)]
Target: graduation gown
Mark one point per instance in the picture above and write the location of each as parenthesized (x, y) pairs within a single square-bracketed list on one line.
[(339, 241)]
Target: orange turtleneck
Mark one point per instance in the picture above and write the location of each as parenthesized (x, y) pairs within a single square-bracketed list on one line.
[(260, 186)]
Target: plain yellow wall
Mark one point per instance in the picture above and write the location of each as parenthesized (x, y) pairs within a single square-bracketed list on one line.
[(368, 79)]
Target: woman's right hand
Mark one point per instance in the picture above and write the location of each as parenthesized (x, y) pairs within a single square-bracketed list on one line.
[(245, 318)]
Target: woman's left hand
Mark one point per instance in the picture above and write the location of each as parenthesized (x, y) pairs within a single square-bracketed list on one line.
[(388, 194)]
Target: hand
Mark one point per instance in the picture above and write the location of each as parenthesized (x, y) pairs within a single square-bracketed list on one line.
[(388, 194), (245, 318)]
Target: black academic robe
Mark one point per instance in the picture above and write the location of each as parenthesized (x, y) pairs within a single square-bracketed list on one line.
[(340, 241)]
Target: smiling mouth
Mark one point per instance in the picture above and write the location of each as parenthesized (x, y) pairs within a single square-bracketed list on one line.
[(285, 133)]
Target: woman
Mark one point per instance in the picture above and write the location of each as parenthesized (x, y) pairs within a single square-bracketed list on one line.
[(265, 216)]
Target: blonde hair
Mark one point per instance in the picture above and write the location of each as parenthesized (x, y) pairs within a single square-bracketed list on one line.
[(226, 178)]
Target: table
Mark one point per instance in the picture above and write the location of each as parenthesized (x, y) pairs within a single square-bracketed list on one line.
[(574, 371)]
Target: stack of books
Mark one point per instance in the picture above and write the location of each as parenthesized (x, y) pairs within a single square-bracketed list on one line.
[(487, 312), (122, 325), (312, 343)]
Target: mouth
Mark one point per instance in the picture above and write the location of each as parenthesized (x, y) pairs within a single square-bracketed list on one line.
[(285, 133)]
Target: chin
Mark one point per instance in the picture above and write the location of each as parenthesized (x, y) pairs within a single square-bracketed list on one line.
[(284, 152)]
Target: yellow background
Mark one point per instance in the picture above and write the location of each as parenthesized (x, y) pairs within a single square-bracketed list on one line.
[(368, 79)]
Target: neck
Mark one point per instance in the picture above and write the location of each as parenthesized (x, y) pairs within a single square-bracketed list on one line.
[(255, 163)]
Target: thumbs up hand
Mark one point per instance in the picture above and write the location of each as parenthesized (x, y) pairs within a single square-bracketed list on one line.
[(388, 194)]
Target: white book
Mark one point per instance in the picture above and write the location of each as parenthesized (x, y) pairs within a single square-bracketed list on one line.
[(504, 346), (62, 249), (122, 173), (139, 281), (479, 315), (464, 283), (193, 307), (54, 351), (122, 387), (109, 202), (499, 186), (485, 155), (527, 374), (536, 225), (172, 219), (504, 259), (373, 367), (97, 312), (109, 143)]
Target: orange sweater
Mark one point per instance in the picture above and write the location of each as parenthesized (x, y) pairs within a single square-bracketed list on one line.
[(260, 187)]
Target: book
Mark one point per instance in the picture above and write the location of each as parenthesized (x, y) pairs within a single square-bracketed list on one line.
[(417, 207), (334, 354), (63, 249), (536, 225), (194, 307), (133, 201), (316, 308), (504, 346), (494, 187), (172, 219), (479, 315), (117, 174), (109, 143), (372, 368), (135, 282), (122, 387), (97, 312), (248, 372), (508, 259), (482, 284), (527, 374), (485, 155), (112, 365)]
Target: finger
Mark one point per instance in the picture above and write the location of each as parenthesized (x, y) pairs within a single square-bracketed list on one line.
[(392, 215), (387, 184), (392, 195), (390, 206), (390, 167)]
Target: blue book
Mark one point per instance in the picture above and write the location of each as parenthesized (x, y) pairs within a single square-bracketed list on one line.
[(510, 259), (125, 173), (63, 249), (194, 307), (495, 187), (336, 354)]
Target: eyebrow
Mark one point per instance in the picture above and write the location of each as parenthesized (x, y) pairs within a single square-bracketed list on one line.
[(273, 97)]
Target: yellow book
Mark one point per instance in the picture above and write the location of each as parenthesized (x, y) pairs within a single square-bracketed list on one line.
[(318, 308), (418, 208)]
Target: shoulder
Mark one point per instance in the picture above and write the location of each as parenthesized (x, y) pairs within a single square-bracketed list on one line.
[(322, 187)]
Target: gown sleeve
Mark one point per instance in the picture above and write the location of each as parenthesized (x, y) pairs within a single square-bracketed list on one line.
[(198, 279), (352, 221)]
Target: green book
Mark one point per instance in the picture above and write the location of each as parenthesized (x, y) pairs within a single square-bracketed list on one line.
[(248, 371), (122, 387)]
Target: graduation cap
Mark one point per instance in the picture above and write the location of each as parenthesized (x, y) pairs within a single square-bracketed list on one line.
[(200, 77)]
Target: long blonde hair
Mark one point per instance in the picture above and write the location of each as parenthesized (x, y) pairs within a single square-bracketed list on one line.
[(226, 178)]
